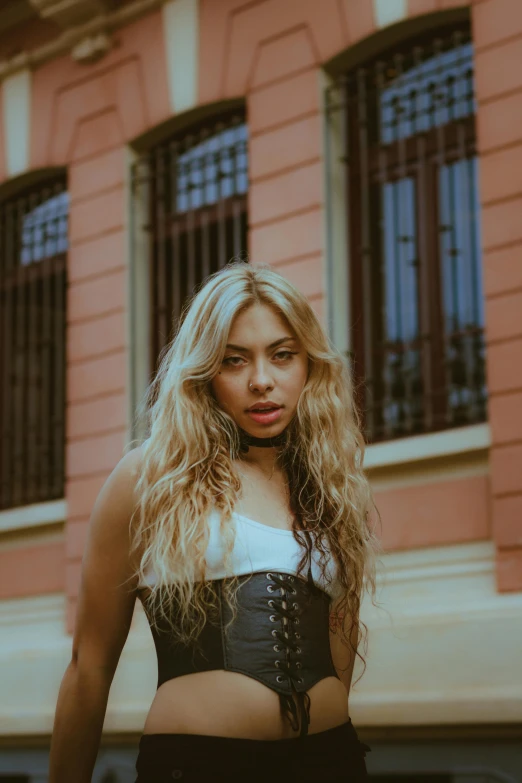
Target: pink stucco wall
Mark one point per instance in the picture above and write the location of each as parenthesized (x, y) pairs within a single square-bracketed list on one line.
[(35, 569), (497, 29), (271, 53), (87, 117)]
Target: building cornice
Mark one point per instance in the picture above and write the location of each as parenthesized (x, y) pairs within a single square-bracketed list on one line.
[(84, 40), (14, 14), (69, 13)]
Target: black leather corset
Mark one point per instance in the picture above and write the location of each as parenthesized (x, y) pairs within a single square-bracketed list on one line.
[(280, 637)]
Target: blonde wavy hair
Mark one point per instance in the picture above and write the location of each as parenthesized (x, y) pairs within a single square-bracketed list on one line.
[(187, 466)]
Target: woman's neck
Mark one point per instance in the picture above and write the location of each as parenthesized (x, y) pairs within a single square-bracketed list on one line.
[(261, 459)]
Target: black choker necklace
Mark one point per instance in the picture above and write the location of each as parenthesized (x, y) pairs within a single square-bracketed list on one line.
[(247, 440)]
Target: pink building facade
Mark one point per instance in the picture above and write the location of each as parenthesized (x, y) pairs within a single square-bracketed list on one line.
[(369, 150)]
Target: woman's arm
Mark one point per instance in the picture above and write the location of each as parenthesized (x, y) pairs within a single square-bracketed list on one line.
[(342, 655), (104, 614)]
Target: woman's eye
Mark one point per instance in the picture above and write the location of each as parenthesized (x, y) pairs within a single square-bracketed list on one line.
[(231, 360), (236, 361), (285, 354)]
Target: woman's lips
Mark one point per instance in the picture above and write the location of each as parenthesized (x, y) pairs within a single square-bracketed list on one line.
[(265, 417)]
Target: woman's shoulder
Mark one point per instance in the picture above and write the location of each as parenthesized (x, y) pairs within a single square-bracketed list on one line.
[(120, 487), (129, 466)]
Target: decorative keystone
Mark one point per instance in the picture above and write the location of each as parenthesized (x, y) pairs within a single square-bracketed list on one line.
[(70, 13)]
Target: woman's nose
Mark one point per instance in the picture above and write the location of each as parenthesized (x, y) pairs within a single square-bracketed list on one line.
[(261, 381)]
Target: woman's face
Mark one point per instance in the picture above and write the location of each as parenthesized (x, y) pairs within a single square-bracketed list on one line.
[(263, 372)]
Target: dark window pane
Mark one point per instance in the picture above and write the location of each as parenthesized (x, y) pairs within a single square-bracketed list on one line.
[(400, 357), (33, 243), (463, 303)]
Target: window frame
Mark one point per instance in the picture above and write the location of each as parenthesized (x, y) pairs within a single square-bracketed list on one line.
[(34, 484), (166, 228), (403, 160)]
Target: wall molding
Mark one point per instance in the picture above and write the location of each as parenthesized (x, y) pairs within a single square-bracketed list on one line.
[(47, 609), (433, 445), (72, 37), (69, 13), (437, 606), (35, 515), (433, 655)]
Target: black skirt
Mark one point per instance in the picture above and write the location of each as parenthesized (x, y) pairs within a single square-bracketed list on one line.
[(331, 756)]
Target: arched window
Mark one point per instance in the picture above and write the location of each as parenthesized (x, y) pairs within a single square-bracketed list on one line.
[(33, 251), (196, 206), (416, 301)]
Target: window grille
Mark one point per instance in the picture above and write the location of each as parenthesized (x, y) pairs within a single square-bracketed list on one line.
[(33, 248), (195, 187), (416, 301)]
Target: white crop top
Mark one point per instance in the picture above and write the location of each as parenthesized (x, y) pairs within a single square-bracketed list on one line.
[(259, 547)]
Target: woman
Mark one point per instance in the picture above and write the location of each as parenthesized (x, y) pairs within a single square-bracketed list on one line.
[(241, 524)]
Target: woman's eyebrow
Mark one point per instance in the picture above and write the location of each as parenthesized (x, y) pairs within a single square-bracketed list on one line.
[(272, 345)]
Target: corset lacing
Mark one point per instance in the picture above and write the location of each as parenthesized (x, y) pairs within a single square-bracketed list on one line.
[(287, 612)]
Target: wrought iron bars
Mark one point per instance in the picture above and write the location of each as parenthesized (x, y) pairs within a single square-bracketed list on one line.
[(195, 185), (414, 251), (33, 247)]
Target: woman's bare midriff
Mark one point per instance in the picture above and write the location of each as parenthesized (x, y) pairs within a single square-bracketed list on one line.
[(229, 704)]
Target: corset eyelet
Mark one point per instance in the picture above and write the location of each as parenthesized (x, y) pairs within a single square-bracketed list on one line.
[(269, 576), (300, 680), (270, 588), (274, 633), (297, 635), (291, 578), (271, 604), (298, 665), (277, 648), (298, 651), (280, 678), (296, 606), (273, 618), (296, 620), (276, 664)]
